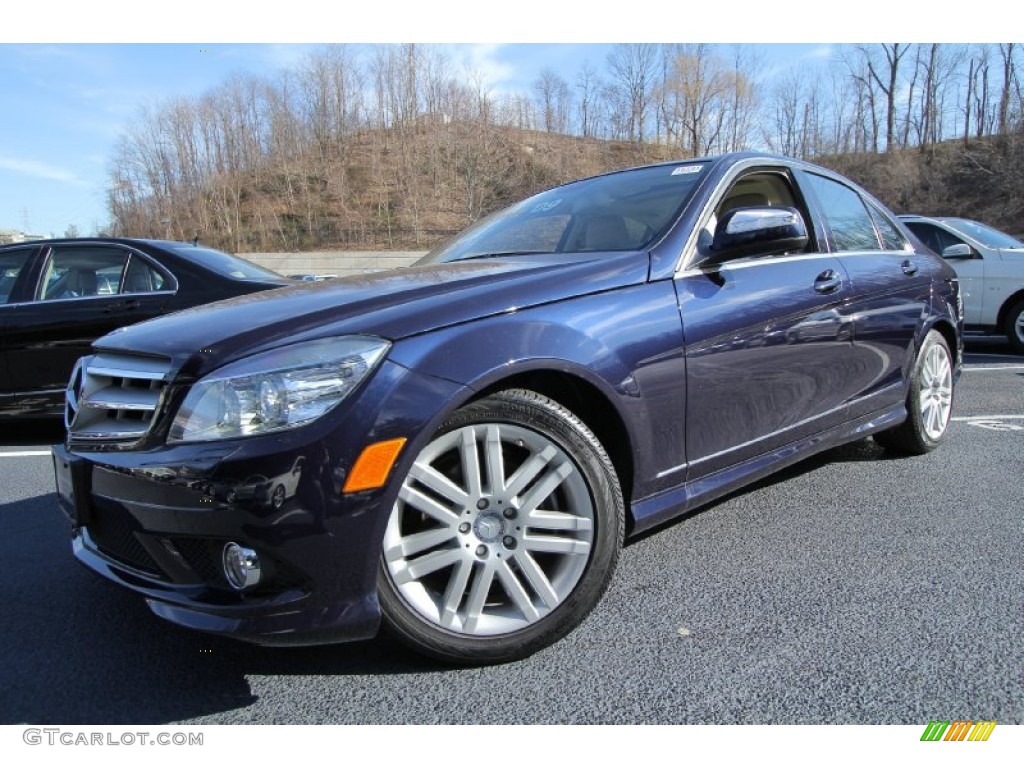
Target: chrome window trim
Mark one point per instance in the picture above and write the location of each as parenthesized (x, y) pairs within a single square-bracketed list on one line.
[(130, 250)]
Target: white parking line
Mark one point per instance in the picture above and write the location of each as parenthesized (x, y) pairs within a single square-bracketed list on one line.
[(18, 454), (987, 418), (1007, 367)]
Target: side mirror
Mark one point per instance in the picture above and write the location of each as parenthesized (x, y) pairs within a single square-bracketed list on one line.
[(758, 232), (958, 251)]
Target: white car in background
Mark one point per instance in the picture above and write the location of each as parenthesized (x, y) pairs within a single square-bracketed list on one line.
[(990, 265)]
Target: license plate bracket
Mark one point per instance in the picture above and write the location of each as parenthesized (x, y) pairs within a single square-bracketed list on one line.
[(73, 478)]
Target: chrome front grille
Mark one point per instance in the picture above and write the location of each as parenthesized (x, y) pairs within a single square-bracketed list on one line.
[(114, 398)]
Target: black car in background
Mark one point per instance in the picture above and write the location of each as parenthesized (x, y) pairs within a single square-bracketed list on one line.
[(58, 296)]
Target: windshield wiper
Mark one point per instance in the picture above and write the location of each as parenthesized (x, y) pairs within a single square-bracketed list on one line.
[(500, 254)]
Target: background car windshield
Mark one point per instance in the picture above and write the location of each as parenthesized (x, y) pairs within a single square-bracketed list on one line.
[(224, 263), (990, 238), (624, 211)]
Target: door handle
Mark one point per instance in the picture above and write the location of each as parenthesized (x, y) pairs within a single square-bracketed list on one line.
[(828, 281), (909, 268), (120, 306)]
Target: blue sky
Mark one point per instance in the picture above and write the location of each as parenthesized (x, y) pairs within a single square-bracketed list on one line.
[(70, 83)]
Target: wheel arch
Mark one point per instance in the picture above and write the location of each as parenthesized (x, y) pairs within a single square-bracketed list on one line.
[(944, 327), (593, 408), (1007, 305)]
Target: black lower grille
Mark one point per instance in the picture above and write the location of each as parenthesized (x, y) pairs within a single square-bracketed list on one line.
[(113, 531), (203, 556)]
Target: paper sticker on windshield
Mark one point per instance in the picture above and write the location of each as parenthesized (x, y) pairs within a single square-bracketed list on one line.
[(686, 169), (546, 206)]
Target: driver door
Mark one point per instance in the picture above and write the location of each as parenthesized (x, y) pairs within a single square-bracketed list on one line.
[(767, 344)]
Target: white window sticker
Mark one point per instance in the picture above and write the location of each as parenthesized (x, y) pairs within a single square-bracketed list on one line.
[(686, 169), (546, 206)]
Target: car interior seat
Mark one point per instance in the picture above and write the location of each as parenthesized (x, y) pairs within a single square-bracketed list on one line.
[(81, 282), (606, 233)]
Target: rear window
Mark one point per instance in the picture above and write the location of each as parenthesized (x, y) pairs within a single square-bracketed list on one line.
[(222, 263)]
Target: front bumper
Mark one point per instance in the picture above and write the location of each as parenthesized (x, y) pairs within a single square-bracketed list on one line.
[(156, 521)]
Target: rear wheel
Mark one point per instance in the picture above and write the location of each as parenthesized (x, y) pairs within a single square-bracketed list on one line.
[(929, 403), (1014, 327), (505, 532)]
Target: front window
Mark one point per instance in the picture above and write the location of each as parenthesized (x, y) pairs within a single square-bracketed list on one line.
[(626, 211), (990, 238)]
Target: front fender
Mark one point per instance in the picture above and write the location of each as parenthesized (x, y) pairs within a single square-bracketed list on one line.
[(626, 344)]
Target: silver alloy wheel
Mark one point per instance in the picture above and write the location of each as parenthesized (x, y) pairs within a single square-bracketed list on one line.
[(936, 394), (492, 530), (1019, 327)]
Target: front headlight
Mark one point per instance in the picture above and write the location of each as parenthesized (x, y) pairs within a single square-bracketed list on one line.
[(275, 390)]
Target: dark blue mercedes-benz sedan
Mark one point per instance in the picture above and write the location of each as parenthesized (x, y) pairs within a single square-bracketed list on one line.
[(458, 450)]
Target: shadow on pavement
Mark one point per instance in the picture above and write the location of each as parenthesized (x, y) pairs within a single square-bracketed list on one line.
[(75, 649)]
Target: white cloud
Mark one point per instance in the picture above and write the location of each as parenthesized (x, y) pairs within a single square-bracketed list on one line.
[(482, 60), (40, 170)]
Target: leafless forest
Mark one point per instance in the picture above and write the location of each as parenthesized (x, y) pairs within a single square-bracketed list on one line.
[(397, 147)]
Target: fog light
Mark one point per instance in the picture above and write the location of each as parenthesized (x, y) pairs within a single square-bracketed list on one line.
[(241, 566)]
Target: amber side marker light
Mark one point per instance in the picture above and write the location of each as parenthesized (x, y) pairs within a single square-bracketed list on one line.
[(373, 466)]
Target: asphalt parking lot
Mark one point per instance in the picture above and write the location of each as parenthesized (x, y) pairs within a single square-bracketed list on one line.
[(853, 588)]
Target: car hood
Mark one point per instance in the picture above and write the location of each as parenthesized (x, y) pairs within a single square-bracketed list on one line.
[(1014, 254), (393, 305)]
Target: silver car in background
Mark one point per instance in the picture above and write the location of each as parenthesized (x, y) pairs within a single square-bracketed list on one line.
[(990, 265)]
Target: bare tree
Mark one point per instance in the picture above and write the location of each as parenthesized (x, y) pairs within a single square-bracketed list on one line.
[(553, 97), (1007, 90), (588, 88), (887, 79), (632, 67)]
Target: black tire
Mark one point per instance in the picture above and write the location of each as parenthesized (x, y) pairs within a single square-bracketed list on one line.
[(929, 401), (519, 577), (1013, 327)]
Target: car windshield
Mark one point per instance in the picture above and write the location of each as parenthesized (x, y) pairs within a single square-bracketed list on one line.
[(990, 238), (222, 263), (624, 211)]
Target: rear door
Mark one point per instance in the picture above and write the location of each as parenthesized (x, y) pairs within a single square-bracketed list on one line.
[(889, 293), (83, 291)]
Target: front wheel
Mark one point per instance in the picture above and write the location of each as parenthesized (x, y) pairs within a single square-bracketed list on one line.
[(505, 533), (1014, 327), (929, 403)]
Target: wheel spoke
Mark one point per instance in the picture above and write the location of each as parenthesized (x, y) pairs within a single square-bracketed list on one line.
[(495, 460), (478, 595), (408, 546), (427, 505), (422, 566), (529, 470), (439, 484), (537, 580), (558, 521), (924, 399), (454, 592), (557, 544), (470, 462), (544, 487), (514, 589)]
